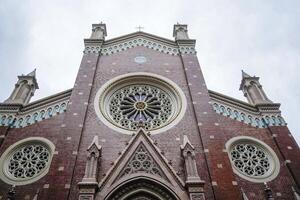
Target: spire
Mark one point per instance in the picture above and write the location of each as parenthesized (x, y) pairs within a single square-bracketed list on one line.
[(24, 89), (32, 73), (245, 75), (252, 90), (186, 142), (94, 144)]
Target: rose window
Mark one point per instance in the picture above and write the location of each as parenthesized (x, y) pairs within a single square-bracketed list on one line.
[(140, 99), (28, 161), (250, 159), (134, 104)]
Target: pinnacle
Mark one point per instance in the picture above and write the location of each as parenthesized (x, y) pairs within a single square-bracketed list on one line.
[(245, 75), (32, 73)]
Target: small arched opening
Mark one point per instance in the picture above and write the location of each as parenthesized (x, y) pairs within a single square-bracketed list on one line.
[(142, 189)]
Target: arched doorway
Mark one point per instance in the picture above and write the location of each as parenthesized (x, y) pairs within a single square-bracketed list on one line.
[(142, 189)]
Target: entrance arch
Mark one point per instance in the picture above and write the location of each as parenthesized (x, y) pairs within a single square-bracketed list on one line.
[(142, 188)]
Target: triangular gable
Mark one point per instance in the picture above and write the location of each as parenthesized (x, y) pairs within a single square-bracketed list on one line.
[(146, 40), (141, 144)]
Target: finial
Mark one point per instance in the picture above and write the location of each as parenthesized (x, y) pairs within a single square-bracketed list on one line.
[(245, 75), (32, 73)]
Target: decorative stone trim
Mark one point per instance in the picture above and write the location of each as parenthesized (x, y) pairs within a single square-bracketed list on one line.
[(260, 116), (32, 117), (34, 112), (15, 166), (115, 47), (256, 120)]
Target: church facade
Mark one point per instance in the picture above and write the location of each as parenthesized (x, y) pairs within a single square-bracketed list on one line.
[(140, 124)]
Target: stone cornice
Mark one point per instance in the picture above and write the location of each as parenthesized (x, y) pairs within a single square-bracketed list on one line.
[(17, 116), (232, 101), (65, 95), (260, 116), (147, 40)]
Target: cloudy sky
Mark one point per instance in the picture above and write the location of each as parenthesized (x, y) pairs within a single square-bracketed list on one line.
[(261, 37)]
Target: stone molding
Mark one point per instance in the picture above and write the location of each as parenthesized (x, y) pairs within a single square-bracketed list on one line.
[(260, 116), (156, 43), (18, 116)]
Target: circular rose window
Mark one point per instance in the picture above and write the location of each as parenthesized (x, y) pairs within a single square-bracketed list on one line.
[(140, 98), (252, 159), (26, 161)]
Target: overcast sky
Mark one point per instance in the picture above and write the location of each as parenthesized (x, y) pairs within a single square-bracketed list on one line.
[(261, 37)]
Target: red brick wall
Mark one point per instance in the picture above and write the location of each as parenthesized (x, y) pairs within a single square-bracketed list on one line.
[(49, 129), (80, 124)]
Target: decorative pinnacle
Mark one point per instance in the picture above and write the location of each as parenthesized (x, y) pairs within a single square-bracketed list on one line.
[(245, 75), (32, 73)]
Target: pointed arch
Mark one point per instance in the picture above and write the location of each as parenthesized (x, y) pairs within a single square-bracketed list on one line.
[(141, 187)]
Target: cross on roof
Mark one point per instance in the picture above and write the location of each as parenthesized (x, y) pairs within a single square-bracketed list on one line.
[(140, 28)]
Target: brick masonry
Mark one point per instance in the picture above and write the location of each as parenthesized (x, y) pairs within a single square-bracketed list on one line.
[(73, 131)]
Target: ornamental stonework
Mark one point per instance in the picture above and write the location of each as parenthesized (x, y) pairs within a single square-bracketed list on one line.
[(140, 103), (141, 162)]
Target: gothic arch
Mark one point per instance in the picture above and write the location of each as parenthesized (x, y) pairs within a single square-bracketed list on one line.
[(141, 188)]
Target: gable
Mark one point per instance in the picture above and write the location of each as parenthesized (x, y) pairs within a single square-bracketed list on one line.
[(142, 159)]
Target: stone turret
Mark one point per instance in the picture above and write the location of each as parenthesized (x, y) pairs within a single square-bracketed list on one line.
[(253, 91), (98, 31), (24, 89), (180, 32)]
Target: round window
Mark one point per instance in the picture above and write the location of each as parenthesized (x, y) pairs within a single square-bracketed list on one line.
[(252, 159), (26, 161), (140, 98)]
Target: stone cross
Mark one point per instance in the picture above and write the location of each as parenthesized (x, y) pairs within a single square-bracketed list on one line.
[(139, 28)]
